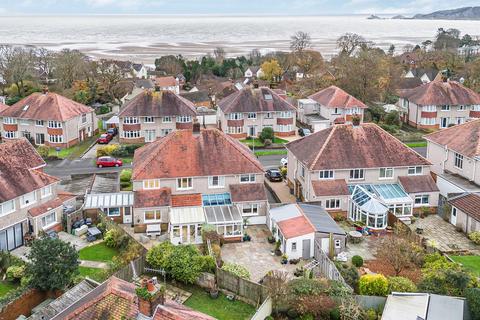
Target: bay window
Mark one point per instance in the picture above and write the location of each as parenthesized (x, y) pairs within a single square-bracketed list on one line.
[(54, 124), (55, 138), (131, 134), (8, 120), (11, 134), (130, 120), (184, 119), (285, 114), (235, 116)]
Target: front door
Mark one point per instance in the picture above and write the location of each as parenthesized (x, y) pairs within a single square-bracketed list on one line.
[(39, 138), (326, 245), (453, 216), (127, 215), (306, 254), (443, 122), (252, 132)]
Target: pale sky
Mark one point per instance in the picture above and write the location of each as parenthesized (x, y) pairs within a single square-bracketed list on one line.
[(246, 7)]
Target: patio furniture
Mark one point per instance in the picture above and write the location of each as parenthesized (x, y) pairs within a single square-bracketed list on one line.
[(355, 236), (153, 230), (93, 234), (81, 231), (419, 230), (28, 238), (52, 234)]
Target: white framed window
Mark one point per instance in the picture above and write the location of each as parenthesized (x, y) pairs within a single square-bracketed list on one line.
[(475, 107), (184, 184), (247, 178), (415, 171), (149, 120), (55, 138), (421, 199), (284, 128), (235, 116), (336, 111), (285, 114), (39, 123), (302, 171), (48, 219), (28, 199), (150, 135), (216, 182), (130, 120), (429, 108), (11, 134), (428, 121), (458, 161), (167, 119), (460, 120), (332, 204), (386, 173), (84, 117), (165, 132), (131, 134), (338, 243), (8, 120), (112, 212), (7, 207), (325, 174), (151, 184), (268, 115), (152, 216), (357, 174), (234, 130), (444, 122), (252, 115), (54, 124), (249, 209), (45, 192), (24, 122), (445, 107), (184, 119), (294, 246), (462, 107)]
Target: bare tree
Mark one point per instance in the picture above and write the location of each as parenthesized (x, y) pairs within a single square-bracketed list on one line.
[(43, 63), (398, 252), (219, 54), (300, 41), (349, 42), (110, 76), (255, 57), (16, 66), (276, 284), (69, 66)]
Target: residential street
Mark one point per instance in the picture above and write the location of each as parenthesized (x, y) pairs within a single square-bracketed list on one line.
[(62, 168)]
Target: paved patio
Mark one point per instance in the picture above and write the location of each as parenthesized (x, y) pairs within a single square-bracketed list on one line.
[(256, 255), (445, 236), (281, 190)]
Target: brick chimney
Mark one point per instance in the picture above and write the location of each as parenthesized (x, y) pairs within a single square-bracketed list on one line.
[(150, 295), (45, 90), (196, 127)]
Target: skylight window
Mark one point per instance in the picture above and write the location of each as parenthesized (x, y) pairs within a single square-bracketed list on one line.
[(26, 107), (268, 97)]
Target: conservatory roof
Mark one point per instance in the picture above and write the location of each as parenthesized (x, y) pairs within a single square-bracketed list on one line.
[(368, 201), (108, 200), (187, 215), (388, 193), (223, 214)]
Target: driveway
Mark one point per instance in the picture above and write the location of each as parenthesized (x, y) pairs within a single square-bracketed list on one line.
[(92, 152), (444, 235), (256, 255), (281, 191)]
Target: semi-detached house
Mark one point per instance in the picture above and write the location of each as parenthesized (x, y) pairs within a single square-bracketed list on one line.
[(48, 119), (195, 177), (360, 170), (248, 111), (154, 114), (29, 199)]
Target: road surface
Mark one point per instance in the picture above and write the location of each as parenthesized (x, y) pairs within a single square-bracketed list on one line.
[(63, 168)]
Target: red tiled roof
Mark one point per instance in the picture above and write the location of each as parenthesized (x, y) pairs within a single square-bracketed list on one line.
[(50, 106), (18, 173), (336, 187), (175, 311), (248, 192), (158, 104), (152, 198), (463, 138), (295, 227), (3, 107), (334, 97), (441, 93), (184, 154), (165, 81), (45, 207), (187, 200), (346, 146), (253, 100), (468, 203), (414, 184)]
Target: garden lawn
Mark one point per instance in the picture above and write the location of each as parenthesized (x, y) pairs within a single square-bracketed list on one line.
[(270, 152), (74, 152), (93, 273), (220, 308), (6, 286), (417, 144), (259, 143), (97, 252), (472, 263)]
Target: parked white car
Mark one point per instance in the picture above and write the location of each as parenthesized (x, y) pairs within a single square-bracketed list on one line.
[(284, 162)]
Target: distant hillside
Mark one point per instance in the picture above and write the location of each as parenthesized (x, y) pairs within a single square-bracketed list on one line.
[(466, 13)]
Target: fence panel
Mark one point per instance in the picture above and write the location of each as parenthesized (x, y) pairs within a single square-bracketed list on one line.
[(132, 270), (254, 292), (264, 311), (326, 267)]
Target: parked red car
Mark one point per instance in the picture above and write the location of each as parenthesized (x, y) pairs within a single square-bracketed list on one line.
[(105, 138), (108, 162)]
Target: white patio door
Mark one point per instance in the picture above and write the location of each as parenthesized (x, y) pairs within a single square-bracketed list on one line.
[(453, 216), (149, 135), (127, 215)]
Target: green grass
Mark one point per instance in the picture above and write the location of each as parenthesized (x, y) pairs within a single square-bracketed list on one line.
[(6, 286), (220, 308), (98, 252), (73, 152), (93, 273), (270, 152), (417, 144), (259, 143), (471, 263), (127, 160)]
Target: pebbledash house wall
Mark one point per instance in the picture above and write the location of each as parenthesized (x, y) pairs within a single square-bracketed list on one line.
[(158, 125), (260, 122), (466, 222), (329, 113), (70, 129)]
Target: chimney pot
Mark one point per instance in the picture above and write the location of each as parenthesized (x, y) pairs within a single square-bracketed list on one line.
[(45, 90), (196, 126)]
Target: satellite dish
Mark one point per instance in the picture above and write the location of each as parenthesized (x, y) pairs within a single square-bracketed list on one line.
[(462, 80)]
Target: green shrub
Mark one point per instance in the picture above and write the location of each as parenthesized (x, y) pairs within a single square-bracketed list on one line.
[(116, 238), (357, 261), (126, 175), (401, 284), (43, 151), (473, 299), (475, 237), (349, 274), (305, 286), (107, 150), (267, 133), (159, 255), (237, 270), (370, 314), (373, 285), (207, 263), (389, 128), (15, 273)]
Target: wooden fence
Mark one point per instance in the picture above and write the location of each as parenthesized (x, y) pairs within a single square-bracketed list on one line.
[(132, 270), (326, 267), (251, 291), (400, 228)]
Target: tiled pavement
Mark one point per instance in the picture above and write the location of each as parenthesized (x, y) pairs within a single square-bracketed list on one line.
[(445, 236), (282, 191), (256, 255)]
